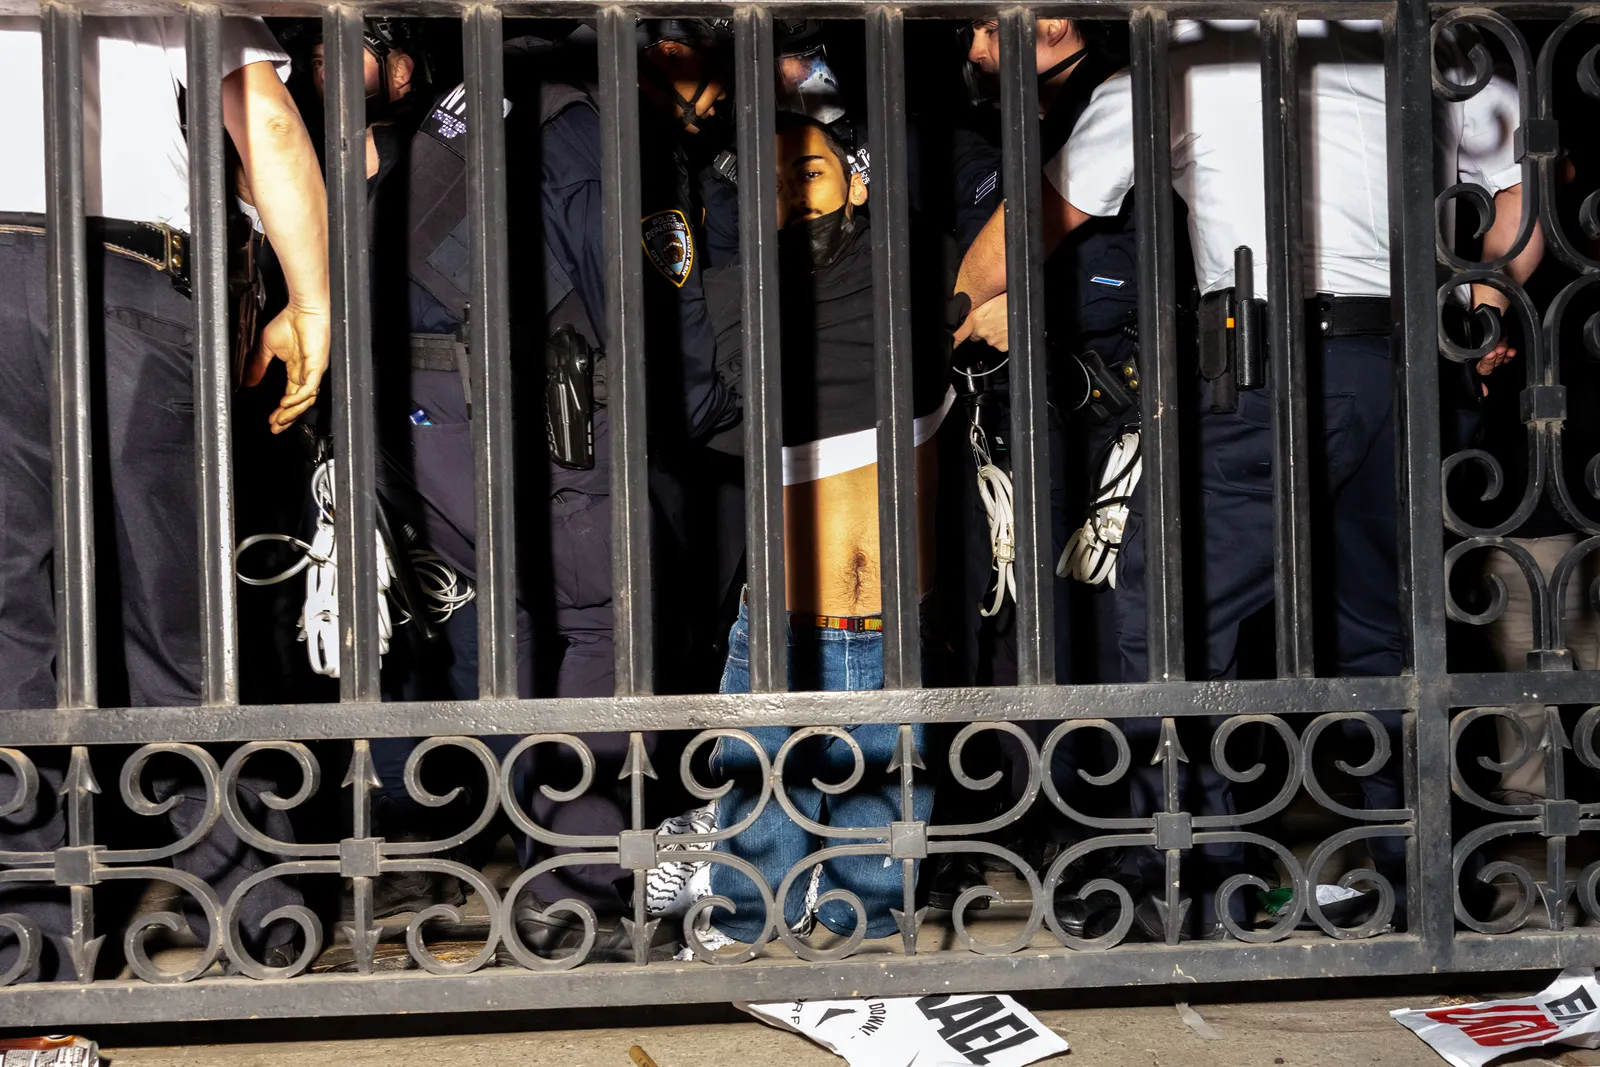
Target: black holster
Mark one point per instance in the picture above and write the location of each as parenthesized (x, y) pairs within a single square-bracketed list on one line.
[(569, 399)]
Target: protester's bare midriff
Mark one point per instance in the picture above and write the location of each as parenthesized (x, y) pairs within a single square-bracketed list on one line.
[(831, 559)]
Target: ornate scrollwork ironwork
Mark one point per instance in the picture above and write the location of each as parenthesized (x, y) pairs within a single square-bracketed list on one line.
[(1554, 816), (564, 934), (1463, 67)]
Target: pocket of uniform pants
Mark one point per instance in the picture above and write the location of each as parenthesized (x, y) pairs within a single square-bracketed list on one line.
[(1238, 444), (166, 359), (1343, 451), (152, 326), (580, 548), (442, 469), (1130, 530)]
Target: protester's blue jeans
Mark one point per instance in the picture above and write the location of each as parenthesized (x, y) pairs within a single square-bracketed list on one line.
[(819, 659)]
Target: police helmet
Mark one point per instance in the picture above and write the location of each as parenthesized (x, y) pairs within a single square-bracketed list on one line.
[(702, 33), (795, 36)]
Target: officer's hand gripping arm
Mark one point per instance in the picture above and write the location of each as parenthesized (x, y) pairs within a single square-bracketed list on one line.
[(983, 270), (281, 168)]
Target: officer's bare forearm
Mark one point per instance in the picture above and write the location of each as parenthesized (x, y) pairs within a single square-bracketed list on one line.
[(983, 270), (1499, 239), (280, 165)]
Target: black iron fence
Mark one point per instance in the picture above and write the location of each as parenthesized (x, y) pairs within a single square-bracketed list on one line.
[(1550, 917)]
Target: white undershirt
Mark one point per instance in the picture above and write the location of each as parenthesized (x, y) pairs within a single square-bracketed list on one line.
[(136, 162), (816, 460), (1217, 152)]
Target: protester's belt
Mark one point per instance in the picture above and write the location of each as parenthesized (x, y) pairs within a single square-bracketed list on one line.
[(152, 243), (853, 623), (1328, 315)]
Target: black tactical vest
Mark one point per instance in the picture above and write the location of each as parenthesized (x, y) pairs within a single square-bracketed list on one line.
[(439, 245)]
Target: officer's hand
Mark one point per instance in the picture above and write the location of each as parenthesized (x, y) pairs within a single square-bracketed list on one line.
[(1502, 353), (299, 337), (990, 323)]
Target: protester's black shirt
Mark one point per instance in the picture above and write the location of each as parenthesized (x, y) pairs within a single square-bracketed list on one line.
[(829, 347)]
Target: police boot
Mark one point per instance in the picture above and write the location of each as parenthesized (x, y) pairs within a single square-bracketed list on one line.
[(558, 935), (1095, 914), (404, 892), (948, 876)]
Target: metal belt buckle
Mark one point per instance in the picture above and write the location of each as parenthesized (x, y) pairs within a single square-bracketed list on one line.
[(172, 257)]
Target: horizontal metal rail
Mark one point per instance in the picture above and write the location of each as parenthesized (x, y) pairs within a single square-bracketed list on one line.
[(822, 8)]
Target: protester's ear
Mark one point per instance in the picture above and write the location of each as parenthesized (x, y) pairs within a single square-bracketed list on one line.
[(1052, 30), (858, 190)]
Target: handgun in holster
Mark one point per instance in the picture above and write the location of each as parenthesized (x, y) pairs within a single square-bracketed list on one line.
[(1236, 361), (1110, 389), (569, 399)]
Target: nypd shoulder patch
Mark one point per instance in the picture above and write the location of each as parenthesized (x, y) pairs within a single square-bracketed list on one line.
[(669, 243)]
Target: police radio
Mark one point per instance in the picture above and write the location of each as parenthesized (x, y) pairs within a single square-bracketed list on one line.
[(569, 399)]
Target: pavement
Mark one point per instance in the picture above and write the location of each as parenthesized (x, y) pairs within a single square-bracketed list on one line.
[(1246, 1033)]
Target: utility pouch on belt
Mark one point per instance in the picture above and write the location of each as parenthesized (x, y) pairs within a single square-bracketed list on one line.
[(569, 399)]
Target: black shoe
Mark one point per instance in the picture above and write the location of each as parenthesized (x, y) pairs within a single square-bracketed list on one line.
[(274, 956), (406, 891), (560, 935), (1148, 924), (613, 943), (952, 876), (1092, 916)]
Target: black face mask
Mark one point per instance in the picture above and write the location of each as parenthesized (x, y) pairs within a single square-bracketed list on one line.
[(816, 242)]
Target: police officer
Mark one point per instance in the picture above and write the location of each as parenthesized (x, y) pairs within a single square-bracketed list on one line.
[(434, 654), (553, 138), (1218, 169), (136, 196), (1089, 315)]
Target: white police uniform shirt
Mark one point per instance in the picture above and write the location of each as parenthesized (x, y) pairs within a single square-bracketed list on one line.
[(1217, 155), (136, 162)]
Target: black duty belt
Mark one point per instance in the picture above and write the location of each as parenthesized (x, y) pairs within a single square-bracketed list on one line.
[(1327, 315), (442, 351), (153, 243)]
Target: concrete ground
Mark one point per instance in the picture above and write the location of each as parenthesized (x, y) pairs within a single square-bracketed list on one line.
[(1262, 1033)]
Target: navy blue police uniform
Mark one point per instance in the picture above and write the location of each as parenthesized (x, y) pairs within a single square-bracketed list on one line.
[(564, 644)]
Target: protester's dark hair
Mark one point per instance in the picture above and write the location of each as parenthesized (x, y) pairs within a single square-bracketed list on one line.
[(793, 120), (1104, 35)]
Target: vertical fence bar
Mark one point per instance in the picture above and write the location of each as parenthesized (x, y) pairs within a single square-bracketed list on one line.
[(354, 501), (763, 375), (1158, 353), (71, 443), (1280, 128), (891, 288), (213, 369), (1411, 222), (630, 499), (490, 341), (1030, 440)]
